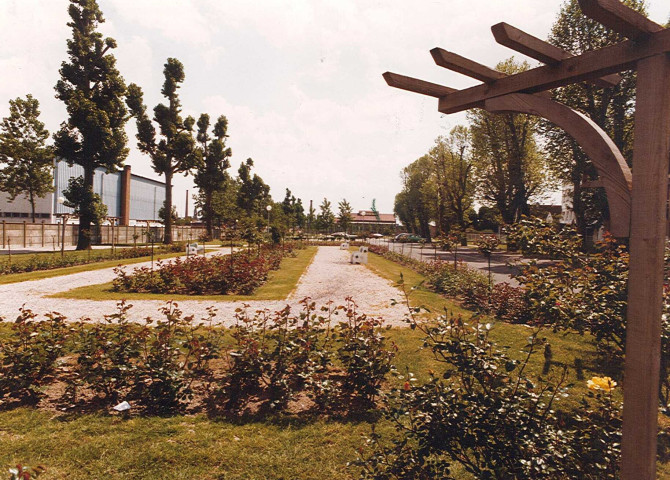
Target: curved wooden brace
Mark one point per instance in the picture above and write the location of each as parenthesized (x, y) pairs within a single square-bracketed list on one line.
[(606, 157)]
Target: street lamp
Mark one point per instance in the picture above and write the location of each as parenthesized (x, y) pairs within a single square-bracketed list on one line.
[(268, 208), (64, 217)]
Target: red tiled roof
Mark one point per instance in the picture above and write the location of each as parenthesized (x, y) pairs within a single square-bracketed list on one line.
[(367, 216)]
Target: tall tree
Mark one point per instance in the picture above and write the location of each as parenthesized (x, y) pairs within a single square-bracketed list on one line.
[(344, 216), (325, 219), (211, 174), (92, 90), (414, 204), (299, 212), (26, 162), (508, 165), (175, 152), (611, 108), (253, 195), (453, 167)]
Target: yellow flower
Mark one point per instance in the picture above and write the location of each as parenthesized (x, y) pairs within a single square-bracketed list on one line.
[(601, 383)]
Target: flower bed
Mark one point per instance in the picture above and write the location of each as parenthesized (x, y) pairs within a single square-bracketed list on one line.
[(242, 273), (333, 362)]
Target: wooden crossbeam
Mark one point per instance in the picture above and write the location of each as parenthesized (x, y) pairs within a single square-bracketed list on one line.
[(588, 66), (465, 66), (620, 18), (545, 52), (417, 86)]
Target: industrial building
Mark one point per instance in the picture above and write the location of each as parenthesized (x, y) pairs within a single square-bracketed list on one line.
[(129, 198)]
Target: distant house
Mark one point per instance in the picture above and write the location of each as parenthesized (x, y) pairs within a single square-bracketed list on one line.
[(367, 221)]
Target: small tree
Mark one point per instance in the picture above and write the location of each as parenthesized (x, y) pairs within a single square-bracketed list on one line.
[(23, 151), (83, 201), (175, 152), (344, 215), (325, 219)]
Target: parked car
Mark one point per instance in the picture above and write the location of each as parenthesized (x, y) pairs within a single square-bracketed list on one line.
[(407, 238)]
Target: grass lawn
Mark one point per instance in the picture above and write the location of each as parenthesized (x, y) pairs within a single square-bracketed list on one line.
[(97, 265), (280, 283)]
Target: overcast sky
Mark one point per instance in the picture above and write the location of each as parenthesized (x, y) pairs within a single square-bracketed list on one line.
[(299, 80)]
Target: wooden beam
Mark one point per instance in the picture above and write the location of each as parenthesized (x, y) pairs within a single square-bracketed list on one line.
[(588, 66), (545, 52), (620, 18), (465, 66), (645, 278), (417, 86)]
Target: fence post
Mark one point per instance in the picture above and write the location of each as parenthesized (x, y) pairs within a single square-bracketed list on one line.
[(24, 234), (4, 234), (42, 234)]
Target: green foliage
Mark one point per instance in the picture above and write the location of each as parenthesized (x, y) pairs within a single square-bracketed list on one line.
[(176, 151), (485, 413), (83, 201), (92, 89), (509, 168), (211, 175), (341, 366), (344, 217), (152, 365), (587, 294), (325, 220), (240, 273), (487, 244), (534, 236), (28, 357), (27, 162), (610, 108), (253, 195), (413, 205)]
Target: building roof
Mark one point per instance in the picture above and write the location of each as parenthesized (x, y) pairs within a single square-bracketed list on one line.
[(368, 216)]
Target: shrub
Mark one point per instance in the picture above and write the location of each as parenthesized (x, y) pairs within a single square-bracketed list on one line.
[(153, 364), (278, 356), (484, 412), (28, 357), (242, 273)]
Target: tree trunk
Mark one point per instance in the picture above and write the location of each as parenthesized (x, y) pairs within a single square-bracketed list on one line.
[(209, 214), (32, 205), (85, 220), (167, 237)]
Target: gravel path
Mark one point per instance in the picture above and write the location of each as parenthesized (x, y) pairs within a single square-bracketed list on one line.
[(330, 276)]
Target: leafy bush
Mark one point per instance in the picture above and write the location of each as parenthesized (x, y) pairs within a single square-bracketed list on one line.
[(534, 236), (279, 356), (239, 273), (28, 357), (153, 365), (484, 412)]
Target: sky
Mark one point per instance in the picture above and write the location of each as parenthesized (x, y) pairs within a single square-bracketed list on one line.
[(300, 81)]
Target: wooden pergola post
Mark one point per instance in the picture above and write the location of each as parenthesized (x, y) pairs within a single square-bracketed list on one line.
[(647, 50), (645, 280)]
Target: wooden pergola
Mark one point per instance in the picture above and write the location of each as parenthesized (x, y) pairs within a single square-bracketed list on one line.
[(637, 200)]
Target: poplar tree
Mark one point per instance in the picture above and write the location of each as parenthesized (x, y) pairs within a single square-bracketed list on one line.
[(92, 89), (211, 175), (175, 152), (345, 216), (26, 162)]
